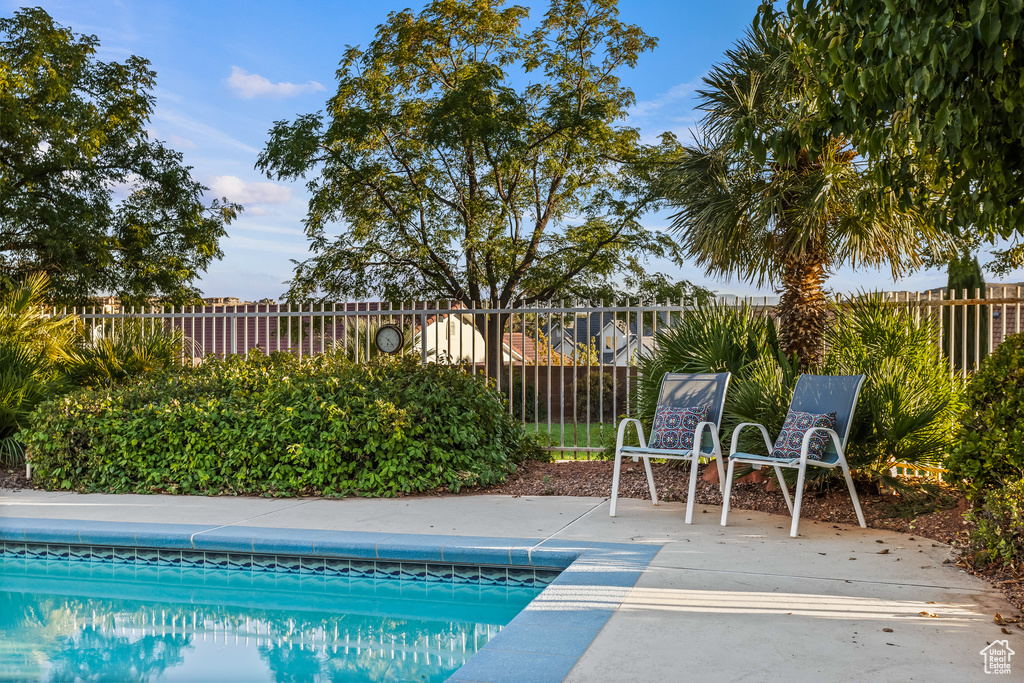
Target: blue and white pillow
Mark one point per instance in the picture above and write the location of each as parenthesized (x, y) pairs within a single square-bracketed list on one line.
[(674, 427), (791, 437)]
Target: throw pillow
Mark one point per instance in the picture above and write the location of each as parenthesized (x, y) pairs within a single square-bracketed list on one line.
[(674, 427), (791, 437)]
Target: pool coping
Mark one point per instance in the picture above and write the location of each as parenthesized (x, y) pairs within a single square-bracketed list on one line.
[(542, 643)]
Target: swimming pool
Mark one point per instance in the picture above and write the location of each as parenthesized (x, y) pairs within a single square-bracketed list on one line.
[(578, 584), (69, 616)]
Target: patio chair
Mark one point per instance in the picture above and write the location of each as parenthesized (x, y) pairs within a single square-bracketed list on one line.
[(685, 428), (815, 433)]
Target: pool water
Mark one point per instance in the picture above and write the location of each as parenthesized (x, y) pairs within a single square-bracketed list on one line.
[(62, 620)]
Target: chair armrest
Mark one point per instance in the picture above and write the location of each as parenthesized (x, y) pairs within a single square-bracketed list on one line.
[(736, 436), (698, 436), (806, 444), (622, 433)]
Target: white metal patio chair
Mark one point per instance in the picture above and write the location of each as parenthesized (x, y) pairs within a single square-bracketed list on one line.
[(689, 412), (806, 439)]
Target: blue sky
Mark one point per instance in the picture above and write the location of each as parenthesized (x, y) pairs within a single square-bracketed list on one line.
[(226, 70)]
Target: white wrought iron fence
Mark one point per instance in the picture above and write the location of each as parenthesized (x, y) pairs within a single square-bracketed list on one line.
[(568, 369)]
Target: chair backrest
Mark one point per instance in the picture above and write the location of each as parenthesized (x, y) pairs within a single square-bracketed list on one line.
[(690, 391), (826, 394)]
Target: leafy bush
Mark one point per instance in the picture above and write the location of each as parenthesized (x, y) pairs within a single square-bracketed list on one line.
[(536, 409), (989, 450), (909, 405), (998, 534), (281, 426), (595, 395)]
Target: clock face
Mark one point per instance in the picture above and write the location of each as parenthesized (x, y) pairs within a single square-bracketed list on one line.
[(389, 339)]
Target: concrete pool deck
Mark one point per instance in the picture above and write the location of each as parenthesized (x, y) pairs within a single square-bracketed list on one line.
[(744, 602)]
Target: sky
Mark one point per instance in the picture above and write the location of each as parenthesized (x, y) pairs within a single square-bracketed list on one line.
[(227, 70)]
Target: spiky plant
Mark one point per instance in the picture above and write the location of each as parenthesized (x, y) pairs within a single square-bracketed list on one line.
[(910, 404), (129, 350), (775, 221), (35, 349), (715, 338)]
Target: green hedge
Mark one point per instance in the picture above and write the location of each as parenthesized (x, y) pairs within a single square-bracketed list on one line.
[(997, 537), (280, 426), (989, 449)]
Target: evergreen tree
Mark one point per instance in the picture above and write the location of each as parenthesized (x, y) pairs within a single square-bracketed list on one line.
[(965, 276)]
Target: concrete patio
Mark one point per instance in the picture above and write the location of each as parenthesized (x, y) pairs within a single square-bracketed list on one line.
[(744, 602)]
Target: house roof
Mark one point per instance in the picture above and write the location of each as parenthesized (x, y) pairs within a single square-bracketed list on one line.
[(590, 329)]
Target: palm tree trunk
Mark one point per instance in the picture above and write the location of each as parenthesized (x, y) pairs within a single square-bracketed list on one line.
[(803, 309)]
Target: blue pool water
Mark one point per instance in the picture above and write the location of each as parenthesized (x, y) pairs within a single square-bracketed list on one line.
[(65, 620)]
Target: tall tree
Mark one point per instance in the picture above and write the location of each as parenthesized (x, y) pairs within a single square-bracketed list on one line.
[(787, 221), (464, 157), (85, 195), (921, 83)]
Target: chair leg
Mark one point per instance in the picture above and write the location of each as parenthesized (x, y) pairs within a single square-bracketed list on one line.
[(721, 471), (692, 493), (853, 493), (615, 483), (728, 491), (650, 480), (785, 489), (799, 495)]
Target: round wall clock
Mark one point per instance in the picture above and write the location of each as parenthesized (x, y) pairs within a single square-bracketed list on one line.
[(389, 338)]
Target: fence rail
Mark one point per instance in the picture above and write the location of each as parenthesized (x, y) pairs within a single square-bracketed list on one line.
[(567, 368)]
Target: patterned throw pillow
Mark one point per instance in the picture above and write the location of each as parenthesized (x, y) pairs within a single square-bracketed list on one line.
[(673, 427), (792, 435)]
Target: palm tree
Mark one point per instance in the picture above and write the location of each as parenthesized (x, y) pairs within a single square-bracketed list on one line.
[(781, 221), (35, 349)]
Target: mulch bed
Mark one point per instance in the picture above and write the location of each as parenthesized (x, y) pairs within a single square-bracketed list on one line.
[(14, 479), (594, 478)]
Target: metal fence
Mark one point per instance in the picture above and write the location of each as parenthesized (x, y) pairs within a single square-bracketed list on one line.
[(569, 369), (969, 324)]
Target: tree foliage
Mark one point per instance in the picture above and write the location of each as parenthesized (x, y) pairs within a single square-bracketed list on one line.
[(920, 85), (464, 157), (746, 212), (85, 195)]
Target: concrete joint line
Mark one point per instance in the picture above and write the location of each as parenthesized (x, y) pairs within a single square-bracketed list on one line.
[(192, 538), (566, 526), (805, 578)]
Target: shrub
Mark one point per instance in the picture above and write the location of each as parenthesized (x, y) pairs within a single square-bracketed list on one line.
[(989, 450), (280, 426), (127, 351), (998, 534), (715, 338), (35, 351), (909, 405), (525, 393)]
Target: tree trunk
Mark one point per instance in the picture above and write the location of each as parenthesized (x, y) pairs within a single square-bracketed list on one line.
[(803, 309), (492, 327)]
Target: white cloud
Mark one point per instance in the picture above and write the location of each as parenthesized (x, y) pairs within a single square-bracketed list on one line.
[(672, 111), (247, 86), (237, 190), (178, 142), (670, 98), (189, 124)]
